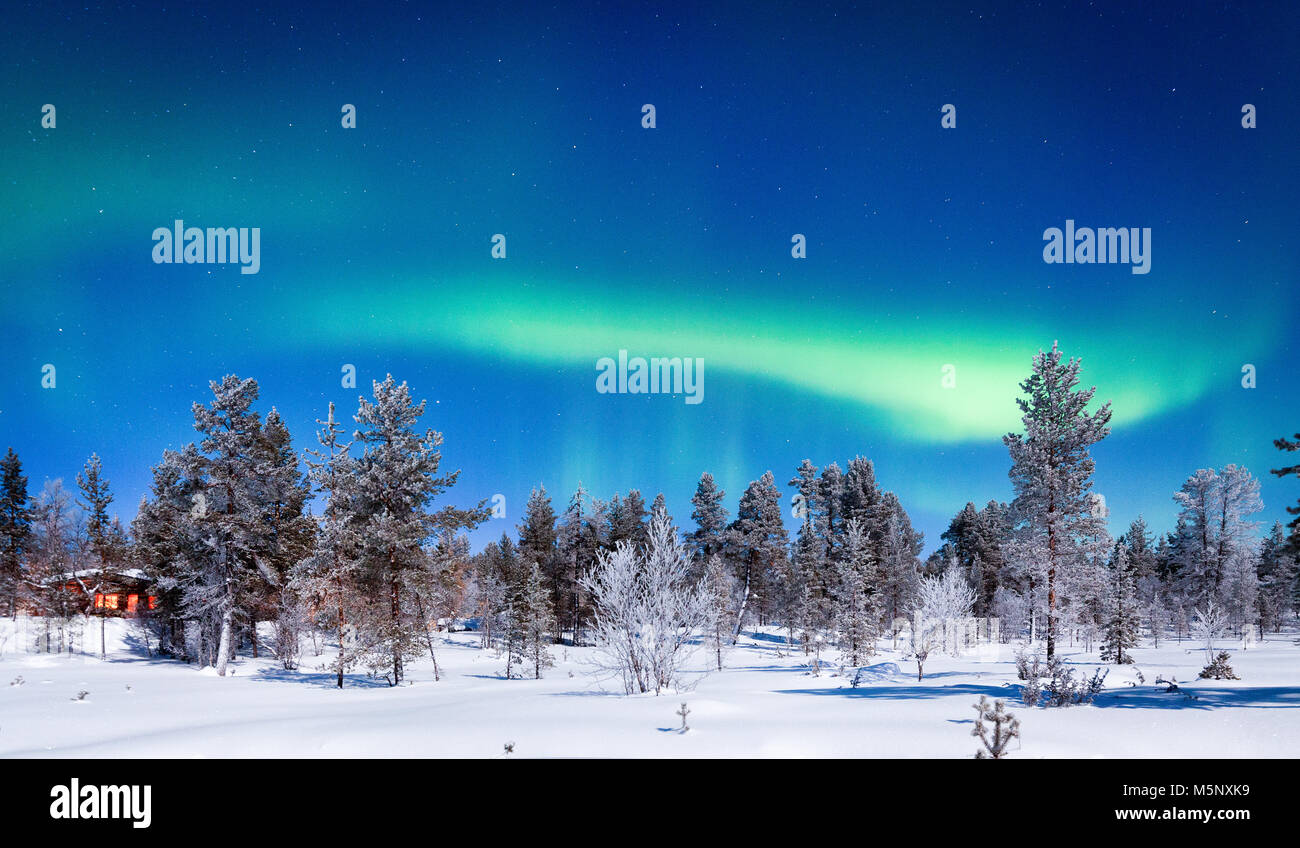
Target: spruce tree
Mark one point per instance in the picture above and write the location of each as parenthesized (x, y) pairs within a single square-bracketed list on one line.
[(977, 535), (104, 550), (628, 520), (95, 498), (576, 553), (1277, 575), (538, 538), (529, 624), (1121, 631), (832, 496), (756, 542), (289, 533), (899, 557), (857, 604), (228, 510), (168, 547), (862, 498), (710, 518), (15, 528)]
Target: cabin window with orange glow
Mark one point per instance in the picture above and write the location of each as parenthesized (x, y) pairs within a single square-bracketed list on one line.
[(111, 601), (99, 600), (153, 602)]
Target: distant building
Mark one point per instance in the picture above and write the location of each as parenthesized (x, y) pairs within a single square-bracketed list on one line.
[(118, 594)]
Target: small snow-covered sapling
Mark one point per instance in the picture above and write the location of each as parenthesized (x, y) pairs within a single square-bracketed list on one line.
[(683, 712), (1005, 728)]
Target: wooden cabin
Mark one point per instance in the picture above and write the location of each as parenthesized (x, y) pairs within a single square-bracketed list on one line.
[(119, 594)]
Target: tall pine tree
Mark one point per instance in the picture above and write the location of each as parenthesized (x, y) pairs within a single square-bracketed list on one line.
[(15, 529), (1051, 473), (397, 478)]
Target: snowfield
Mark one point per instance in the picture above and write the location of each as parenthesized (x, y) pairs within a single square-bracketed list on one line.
[(765, 703)]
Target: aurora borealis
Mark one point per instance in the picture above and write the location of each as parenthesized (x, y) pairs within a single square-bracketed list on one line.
[(924, 244)]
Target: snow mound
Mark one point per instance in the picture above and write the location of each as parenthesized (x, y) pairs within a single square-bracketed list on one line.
[(875, 673)]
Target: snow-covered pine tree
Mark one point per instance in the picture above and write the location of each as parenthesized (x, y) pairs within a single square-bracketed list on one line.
[(1051, 472), (857, 596), (1122, 622), (1289, 445), (757, 542), (1241, 590), (530, 625), (439, 590), (660, 506), (832, 497), (597, 527), (229, 511), (106, 550), (900, 564), (289, 534), (1277, 572), (1005, 728), (495, 574), (15, 529), (1084, 590), (538, 544), (326, 581), (576, 552), (962, 536), (1142, 553), (977, 536), (1012, 610), (1215, 528), (167, 547), (720, 586), (862, 498), (710, 518), (627, 520), (1158, 618), (810, 600), (397, 478)]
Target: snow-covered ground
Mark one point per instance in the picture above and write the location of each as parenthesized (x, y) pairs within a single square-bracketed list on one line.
[(764, 703)]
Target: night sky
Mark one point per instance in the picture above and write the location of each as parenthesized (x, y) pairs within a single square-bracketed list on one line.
[(924, 244)]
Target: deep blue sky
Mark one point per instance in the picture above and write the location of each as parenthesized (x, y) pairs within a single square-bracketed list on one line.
[(924, 244)]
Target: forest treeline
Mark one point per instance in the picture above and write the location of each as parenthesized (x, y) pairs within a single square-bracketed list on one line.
[(356, 542)]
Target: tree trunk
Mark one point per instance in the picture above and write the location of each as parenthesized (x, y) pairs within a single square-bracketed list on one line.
[(223, 648), (342, 650), (744, 602), (396, 612), (428, 637)]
